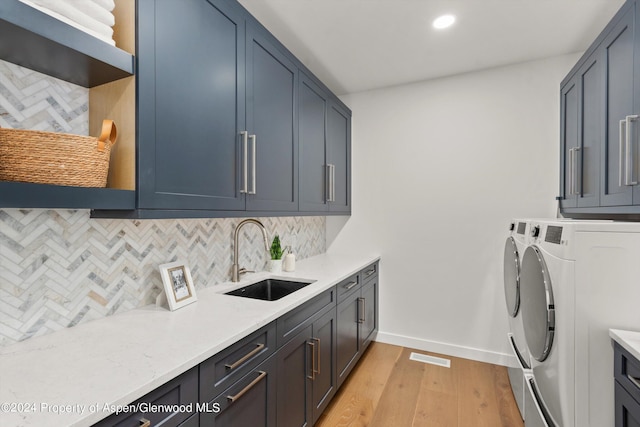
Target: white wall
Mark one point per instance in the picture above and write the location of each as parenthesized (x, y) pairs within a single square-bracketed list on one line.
[(439, 169)]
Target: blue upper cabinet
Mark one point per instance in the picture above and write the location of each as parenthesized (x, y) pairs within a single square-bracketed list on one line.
[(191, 106), (600, 124), (325, 150), (271, 78), (218, 115)]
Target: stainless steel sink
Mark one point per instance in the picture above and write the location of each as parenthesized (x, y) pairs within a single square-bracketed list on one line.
[(269, 289)]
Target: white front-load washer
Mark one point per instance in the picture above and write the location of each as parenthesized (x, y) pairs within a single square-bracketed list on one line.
[(514, 247), (547, 298), (607, 297)]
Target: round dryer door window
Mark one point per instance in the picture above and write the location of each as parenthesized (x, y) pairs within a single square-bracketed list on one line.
[(511, 276), (536, 300)]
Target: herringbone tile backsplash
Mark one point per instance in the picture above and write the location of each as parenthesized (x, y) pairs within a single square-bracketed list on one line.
[(59, 268)]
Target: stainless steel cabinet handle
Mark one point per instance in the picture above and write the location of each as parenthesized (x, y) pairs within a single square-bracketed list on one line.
[(621, 139), (145, 422), (333, 183), (630, 153), (361, 311), (634, 380), (253, 162), (577, 174), (370, 272), (331, 186), (328, 182), (246, 357), (350, 285), (245, 163), (317, 371), (571, 174), (313, 360), (248, 387)]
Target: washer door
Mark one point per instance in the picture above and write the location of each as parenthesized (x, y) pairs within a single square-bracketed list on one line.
[(538, 310), (511, 276)]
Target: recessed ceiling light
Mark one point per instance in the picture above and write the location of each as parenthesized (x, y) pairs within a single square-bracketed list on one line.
[(444, 21)]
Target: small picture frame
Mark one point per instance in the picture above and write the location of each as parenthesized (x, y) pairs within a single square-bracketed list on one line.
[(178, 284)]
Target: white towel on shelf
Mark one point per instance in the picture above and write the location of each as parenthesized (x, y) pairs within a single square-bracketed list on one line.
[(109, 5), (95, 11), (104, 32), (67, 13)]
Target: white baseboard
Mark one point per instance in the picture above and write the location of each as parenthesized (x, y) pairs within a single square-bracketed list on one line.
[(495, 358)]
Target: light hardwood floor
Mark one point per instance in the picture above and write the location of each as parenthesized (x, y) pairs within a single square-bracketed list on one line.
[(387, 389)]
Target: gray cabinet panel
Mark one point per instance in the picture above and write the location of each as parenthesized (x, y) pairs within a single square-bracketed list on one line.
[(272, 120), (569, 142), (618, 48), (311, 141), (294, 388), (250, 402), (348, 347), (324, 384), (591, 132), (369, 321), (339, 155), (181, 390), (189, 115)]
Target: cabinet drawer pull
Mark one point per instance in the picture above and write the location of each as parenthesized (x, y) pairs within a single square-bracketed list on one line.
[(245, 162), (248, 387), (370, 272), (317, 371), (361, 311), (253, 164), (145, 422), (634, 380), (246, 357), (630, 178), (350, 285), (313, 360)]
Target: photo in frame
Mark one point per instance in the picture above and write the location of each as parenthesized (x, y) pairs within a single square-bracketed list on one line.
[(178, 284)]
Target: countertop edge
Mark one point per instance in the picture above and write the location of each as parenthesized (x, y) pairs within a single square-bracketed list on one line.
[(629, 340)]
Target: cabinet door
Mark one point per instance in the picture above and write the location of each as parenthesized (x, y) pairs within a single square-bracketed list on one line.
[(569, 142), (311, 140), (323, 383), (591, 133), (294, 366), (339, 156), (250, 402), (348, 346), (190, 77), (369, 311), (272, 124), (617, 58)]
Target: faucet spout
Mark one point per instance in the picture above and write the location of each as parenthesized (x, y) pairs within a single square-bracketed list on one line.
[(236, 270)]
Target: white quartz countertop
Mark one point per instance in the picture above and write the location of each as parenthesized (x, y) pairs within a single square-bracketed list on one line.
[(629, 340), (66, 378)]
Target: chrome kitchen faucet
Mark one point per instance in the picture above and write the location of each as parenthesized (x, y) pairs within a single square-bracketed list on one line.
[(236, 271)]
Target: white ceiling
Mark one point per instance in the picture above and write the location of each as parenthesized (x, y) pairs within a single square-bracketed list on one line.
[(356, 45)]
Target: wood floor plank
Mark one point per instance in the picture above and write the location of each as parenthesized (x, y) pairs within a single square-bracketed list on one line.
[(437, 402), (355, 402), (387, 389)]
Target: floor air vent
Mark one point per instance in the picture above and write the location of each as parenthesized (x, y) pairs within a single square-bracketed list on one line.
[(432, 360)]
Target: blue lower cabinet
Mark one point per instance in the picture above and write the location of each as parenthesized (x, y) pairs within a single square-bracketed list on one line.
[(250, 402), (627, 388), (179, 394)]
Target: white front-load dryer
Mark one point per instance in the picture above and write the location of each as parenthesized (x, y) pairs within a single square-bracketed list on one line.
[(514, 247), (547, 295)]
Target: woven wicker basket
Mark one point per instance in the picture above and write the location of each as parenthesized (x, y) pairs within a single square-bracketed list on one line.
[(56, 158)]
